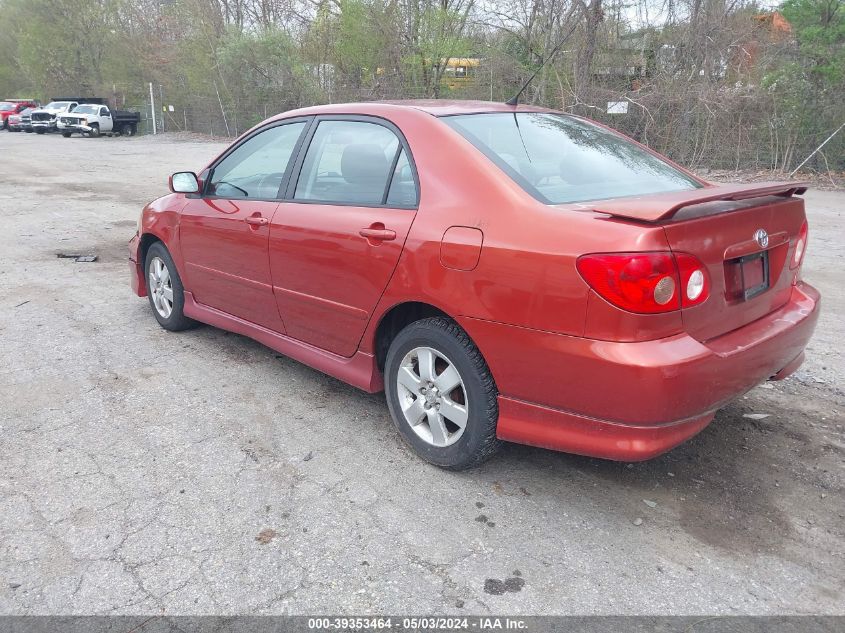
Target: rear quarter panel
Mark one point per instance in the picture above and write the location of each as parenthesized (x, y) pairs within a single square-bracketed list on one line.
[(526, 274)]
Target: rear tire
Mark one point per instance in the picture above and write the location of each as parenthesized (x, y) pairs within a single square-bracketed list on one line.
[(127, 130), (165, 290), (436, 381), (66, 134)]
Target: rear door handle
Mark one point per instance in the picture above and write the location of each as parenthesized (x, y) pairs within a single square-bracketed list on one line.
[(256, 220), (377, 234)]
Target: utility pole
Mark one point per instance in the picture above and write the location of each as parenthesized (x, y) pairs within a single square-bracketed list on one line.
[(163, 111), (153, 108)]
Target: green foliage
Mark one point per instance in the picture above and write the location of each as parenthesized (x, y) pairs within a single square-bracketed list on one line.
[(227, 64), (805, 86), (265, 65), (359, 46), (63, 45), (10, 81), (820, 30)]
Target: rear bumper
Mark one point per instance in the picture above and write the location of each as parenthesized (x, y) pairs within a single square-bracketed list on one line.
[(526, 423), (630, 401)]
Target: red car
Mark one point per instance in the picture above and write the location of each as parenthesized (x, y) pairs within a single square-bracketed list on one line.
[(503, 273), (13, 106)]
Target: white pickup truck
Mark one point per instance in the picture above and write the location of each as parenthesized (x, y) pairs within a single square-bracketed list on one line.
[(93, 119), (46, 119)]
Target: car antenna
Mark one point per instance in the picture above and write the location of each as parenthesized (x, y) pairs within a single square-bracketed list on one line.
[(514, 100)]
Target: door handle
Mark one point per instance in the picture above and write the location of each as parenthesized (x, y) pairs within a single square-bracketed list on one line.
[(256, 220), (377, 234)]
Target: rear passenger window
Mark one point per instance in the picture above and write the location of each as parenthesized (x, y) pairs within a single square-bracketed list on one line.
[(350, 162), (403, 188)]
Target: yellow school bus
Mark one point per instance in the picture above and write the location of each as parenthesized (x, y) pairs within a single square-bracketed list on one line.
[(460, 71)]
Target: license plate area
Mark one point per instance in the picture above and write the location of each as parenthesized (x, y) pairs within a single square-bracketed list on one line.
[(747, 276)]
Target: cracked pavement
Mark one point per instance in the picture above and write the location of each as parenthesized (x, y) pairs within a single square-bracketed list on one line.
[(147, 472)]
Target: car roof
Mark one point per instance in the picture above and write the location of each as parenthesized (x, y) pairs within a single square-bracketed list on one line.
[(435, 107), (444, 107)]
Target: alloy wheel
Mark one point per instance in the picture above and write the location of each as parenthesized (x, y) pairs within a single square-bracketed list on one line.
[(432, 396), (161, 287)]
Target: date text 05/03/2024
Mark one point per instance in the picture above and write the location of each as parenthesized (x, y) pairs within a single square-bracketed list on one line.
[(416, 623)]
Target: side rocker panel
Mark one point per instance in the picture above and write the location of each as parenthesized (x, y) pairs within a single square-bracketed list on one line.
[(359, 371)]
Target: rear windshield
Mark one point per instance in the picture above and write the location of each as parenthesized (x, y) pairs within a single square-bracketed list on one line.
[(560, 159)]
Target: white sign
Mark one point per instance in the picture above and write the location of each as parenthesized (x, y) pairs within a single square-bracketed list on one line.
[(170, 108), (617, 107)]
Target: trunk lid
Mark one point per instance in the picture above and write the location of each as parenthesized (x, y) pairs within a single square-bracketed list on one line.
[(749, 274)]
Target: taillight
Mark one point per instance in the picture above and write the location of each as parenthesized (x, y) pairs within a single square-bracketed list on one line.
[(695, 283), (646, 283), (638, 282), (800, 246)]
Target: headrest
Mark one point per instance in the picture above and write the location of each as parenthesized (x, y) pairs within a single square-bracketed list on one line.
[(364, 164)]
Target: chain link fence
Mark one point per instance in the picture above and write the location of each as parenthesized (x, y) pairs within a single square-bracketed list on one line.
[(705, 127)]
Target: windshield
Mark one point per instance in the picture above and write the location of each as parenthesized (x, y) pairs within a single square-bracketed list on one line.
[(5, 107), (57, 105), (560, 159), (86, 109)]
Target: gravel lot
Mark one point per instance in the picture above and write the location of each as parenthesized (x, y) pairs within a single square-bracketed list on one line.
[(200, 473)]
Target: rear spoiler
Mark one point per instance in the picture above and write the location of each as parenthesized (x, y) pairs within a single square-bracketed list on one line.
[(662, 206)]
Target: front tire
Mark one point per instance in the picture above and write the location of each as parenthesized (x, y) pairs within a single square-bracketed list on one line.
[(165, 290), (66, 134), (95, 131), (441, 394)]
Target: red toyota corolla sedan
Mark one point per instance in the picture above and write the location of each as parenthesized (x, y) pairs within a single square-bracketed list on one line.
[(503, 273)]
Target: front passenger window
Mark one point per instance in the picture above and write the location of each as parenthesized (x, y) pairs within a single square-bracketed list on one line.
[(348, 162), (256, 167)]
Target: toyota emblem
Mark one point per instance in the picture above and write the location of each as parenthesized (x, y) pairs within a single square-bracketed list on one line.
[(761, 237)]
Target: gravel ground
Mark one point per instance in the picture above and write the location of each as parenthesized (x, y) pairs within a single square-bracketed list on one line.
[(200, 473)]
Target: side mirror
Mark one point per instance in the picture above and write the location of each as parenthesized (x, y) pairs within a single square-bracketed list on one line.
[(184, 182)]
